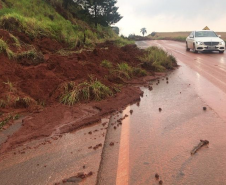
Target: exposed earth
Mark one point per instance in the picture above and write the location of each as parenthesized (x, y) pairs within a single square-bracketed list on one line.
[(39, 78)]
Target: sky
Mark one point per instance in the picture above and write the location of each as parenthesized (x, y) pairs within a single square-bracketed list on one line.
[(170, 15)]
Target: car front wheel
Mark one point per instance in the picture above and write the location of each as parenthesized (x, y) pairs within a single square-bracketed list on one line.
[(187, 49), (221, 51), (194, 49)]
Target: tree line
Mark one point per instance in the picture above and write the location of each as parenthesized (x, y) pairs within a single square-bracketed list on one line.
[(103, 12)]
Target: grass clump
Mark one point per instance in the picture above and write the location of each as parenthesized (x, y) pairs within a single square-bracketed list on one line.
[(92, 90), (10, 86), (137, 71), (124, 71), (17, 42), (7, 119), (120, 42), (158, 60), (2, 103), (106, 64), (5, 48)]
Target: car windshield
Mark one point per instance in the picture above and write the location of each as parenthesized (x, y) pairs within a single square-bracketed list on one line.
[(205, 34)]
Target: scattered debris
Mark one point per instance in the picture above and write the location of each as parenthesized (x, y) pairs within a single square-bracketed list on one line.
[(131, 111), (160, 109), (97, 146), (80, 175), (167, 82), (204, 108), (160, 182), (157, 176), (111, 144), (150, 88), (200, 145), (90, 133)]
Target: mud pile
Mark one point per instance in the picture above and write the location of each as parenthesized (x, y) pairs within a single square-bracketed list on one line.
[(35, 75)]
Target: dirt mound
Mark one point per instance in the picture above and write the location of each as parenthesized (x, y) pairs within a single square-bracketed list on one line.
[(39, 83)]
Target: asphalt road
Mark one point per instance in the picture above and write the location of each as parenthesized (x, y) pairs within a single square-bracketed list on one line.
[(148, 141)]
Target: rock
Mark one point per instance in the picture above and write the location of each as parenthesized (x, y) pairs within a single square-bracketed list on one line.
[(157, 176)]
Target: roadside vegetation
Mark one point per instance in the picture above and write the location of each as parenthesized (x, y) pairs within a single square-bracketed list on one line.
[(12, 98), (157, 59), (85, 91), (5, 119)]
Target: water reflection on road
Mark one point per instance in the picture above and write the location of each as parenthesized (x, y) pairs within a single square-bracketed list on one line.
[(161, 141)]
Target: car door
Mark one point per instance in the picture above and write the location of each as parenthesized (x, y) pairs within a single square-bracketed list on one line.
[(190, 40)]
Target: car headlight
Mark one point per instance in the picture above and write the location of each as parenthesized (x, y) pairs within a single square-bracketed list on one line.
[(221, 43), (199, 43)]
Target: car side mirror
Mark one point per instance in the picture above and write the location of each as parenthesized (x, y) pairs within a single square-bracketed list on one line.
[(219, 36), (192, 36)]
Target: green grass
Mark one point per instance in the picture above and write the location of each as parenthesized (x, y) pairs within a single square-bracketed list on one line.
[(17, 42), (137, 71), (106, 64), (120, 42), (38, 18), (92, 90), (5, 48), (158, 60), (8, 119), (124, 71), (30, 54)]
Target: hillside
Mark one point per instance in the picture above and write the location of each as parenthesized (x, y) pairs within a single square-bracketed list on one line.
[(53, 63)]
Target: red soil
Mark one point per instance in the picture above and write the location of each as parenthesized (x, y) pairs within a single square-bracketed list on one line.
[(41, 82)]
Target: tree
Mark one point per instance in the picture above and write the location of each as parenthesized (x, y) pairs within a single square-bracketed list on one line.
[(104, 12), (143, 31)]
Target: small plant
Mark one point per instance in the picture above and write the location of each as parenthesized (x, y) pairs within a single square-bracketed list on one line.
[(24, 102), (8, 118), (17, 42), (42, 103), (124, 71), (10, 86), (106, 64), (137, 71), (5, 48), (92, 90), (2, 103)]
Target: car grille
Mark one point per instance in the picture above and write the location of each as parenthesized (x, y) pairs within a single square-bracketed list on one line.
[(211, 43)]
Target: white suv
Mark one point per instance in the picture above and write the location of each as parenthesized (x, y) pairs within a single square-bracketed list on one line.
[(204, 40)]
